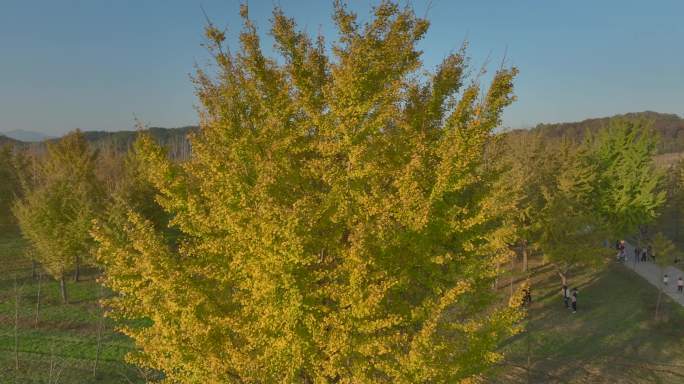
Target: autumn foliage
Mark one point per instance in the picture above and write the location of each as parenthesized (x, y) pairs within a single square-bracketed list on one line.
[(334, 224)]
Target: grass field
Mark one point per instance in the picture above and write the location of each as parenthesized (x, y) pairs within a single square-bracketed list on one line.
[(613, 337), (61, 347)]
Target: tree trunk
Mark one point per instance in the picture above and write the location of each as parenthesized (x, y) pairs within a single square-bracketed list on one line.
[(660, 293), (676, 224), (638, 245), (529, 358), (511, 281), (63, 289), (52, 361), (40, 279), (77, 272), (524, 255), (496, 278), (100, 325), (16, 324), (563, 276)]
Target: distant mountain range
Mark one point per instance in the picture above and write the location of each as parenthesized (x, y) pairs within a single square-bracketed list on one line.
[(26, 136), (669, 126)]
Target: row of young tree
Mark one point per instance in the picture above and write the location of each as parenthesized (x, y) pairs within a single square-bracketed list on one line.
[(339, 219), (570, 198)]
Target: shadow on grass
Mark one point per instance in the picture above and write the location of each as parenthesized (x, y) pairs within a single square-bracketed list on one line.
[(611, 339)]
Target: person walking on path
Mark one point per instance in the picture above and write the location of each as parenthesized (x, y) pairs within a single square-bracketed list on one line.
[(665, 280), (680, 285), (637, 253), (574, 300), (565, 292), (644, 254)]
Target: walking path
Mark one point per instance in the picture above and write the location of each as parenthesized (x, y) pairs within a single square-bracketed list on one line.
[(651, 272)]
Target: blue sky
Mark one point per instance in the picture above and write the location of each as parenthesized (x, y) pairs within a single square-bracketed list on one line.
[(97, 64)]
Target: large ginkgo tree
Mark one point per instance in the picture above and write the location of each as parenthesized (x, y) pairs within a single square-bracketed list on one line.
[(335, 222)]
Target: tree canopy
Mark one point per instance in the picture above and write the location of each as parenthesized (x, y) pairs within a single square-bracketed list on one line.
[(335, 222), (12, 165), (629, 192), (58, 205), (569, 197)]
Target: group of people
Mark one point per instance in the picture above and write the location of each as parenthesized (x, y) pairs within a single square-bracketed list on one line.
[(640, 254), (569, 298), (644, 254)]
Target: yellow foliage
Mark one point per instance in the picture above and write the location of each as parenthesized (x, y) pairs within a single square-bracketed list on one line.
[(335, 223)]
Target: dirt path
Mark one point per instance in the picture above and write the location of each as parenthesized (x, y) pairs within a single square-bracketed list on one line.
[(651, 272)]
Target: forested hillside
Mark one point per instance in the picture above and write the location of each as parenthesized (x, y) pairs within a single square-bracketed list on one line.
[(670, 128), (4, 140), (124, 139), (174, 139)]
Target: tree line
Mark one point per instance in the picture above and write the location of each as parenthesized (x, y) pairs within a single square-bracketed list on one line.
[(339, 219), (669, 127)]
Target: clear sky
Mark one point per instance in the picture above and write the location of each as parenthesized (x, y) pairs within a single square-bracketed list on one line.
[(96, 64)]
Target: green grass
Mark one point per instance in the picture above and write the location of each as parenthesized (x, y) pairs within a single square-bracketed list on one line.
[(61, 346), (613, 337)]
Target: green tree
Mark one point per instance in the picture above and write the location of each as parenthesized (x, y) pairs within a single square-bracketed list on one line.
[(571, 233), (12, 165), (58, 206), (608, 186), (670, 219), (629, 192), (335, 222), (532, 164)]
